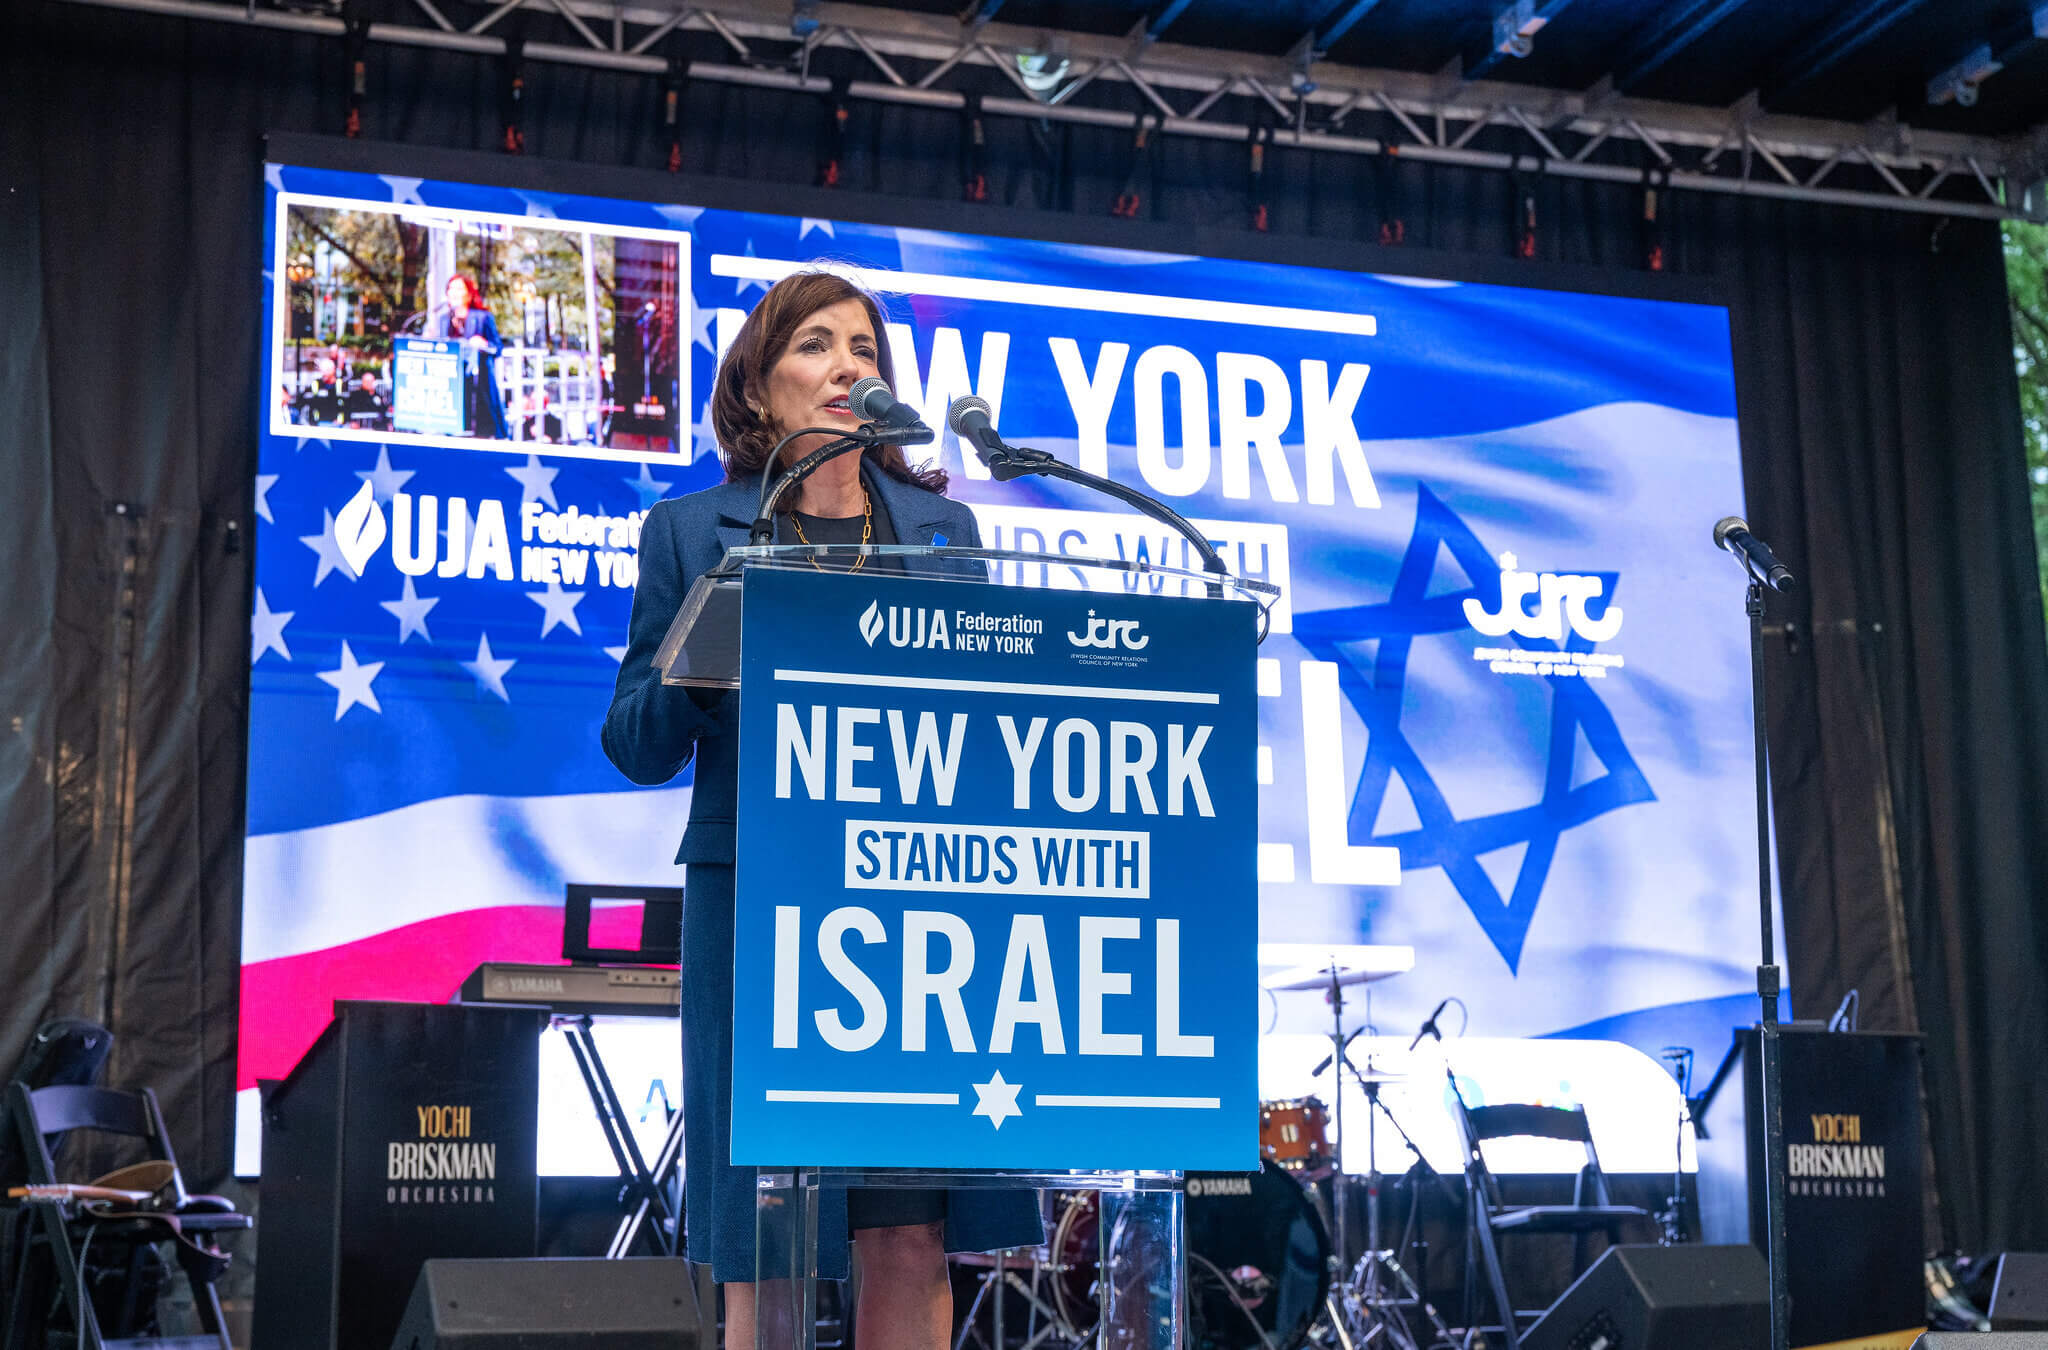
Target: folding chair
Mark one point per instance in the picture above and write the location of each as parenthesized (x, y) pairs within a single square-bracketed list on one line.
[(1487, 1217), (58, 1226)]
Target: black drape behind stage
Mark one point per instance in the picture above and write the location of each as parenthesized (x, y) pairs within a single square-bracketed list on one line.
[(1878, 412)]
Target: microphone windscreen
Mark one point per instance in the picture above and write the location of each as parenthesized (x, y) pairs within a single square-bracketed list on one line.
[(966, 403), (864, 393), (1726, 526)]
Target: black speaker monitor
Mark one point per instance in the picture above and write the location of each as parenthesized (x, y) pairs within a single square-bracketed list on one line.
[(2019, 1295), (646, 1303), (1662, 1298)]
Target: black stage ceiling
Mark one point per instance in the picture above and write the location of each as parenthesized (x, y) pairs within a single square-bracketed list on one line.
[(1846, 60)]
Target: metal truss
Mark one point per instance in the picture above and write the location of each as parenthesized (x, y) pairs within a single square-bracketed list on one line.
[(1303, 101)]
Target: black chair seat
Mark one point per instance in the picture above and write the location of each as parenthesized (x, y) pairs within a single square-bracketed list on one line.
[(1564, 1218), (117, 1224)]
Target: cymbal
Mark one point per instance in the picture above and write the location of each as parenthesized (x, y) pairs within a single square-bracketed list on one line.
[(1307, 965), (1382, 1076)]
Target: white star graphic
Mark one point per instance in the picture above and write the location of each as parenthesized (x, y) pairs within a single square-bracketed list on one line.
[(411, 612), (264, 482), (744, 282), (404, 191), (489, 672), (536, 482), (273, 174), (324, 544), (703, 436), (384, 480), (682, 217), (998, 1100), (810, 223), (352, 683), (700, 328), (1507, 562), (301, 442), (616, 653), (535, 207), (266, 630), (558, 606), (648, 486)]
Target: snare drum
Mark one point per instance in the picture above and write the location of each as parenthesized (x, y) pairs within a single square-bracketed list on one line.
[(1296, 1135)]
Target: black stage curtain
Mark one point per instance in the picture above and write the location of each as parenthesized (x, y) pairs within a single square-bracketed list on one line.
[(1879, 419)]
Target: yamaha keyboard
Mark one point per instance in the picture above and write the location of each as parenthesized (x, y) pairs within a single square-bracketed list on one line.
[(631, 991)]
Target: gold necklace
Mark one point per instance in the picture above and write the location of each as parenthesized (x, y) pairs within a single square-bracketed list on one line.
[(867, 530)]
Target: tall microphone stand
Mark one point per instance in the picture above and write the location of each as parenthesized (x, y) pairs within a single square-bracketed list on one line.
[(1013, 461), (1768, 981)]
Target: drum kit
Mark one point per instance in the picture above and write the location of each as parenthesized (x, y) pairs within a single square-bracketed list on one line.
[(1267, 1251)]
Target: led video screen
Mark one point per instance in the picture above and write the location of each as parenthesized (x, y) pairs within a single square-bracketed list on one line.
[(1504, 700)]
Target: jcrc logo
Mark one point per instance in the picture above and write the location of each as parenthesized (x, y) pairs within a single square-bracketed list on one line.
[(1110, 633), (1561, 602)]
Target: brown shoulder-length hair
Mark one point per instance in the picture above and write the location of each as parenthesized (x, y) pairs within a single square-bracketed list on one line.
[(743, 435)]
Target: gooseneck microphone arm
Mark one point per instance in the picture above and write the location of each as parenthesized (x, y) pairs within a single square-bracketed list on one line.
[(775, 486), (969, 417), (884, 421)]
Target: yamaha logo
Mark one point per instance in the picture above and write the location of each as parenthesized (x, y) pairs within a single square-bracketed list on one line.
[(1218, 1186)]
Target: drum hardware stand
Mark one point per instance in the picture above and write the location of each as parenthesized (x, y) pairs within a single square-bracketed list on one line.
[(1671, 1219), (1379, 1290), (1338, 1041), (1360, 1310), (1003, 1275)]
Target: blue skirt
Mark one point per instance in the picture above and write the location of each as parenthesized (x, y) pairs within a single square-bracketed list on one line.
[(719, 1198)]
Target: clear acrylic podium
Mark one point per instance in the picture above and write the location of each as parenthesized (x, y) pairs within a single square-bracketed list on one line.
[(1141, 1284)]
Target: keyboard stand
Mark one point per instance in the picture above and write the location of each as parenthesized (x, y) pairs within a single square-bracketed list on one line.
[(646, 1193)]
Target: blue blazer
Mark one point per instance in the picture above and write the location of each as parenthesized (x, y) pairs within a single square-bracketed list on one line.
[(653, 729)]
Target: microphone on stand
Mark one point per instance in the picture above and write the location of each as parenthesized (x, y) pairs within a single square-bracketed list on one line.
[(875, 403), (1732, 533), (1429, 1027), (968, 416)]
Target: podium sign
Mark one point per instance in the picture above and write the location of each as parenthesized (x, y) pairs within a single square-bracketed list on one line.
[(426, 387), (996, 889)]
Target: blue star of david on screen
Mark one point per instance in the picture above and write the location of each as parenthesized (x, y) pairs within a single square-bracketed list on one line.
[(1374, 689)]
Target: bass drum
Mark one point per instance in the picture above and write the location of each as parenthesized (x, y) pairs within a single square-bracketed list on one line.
[(1258, 1261), (1076, 1263)]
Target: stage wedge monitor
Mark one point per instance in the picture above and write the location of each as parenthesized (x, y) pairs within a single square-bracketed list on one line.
[(2019, 1296), (1662, 1298), (575, 1304)]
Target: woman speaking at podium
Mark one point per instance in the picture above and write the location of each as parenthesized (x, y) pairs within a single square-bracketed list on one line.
[(792, 365)]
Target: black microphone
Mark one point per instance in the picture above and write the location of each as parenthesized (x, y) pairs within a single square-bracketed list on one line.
[(872, 401), (1429, 1027), (1732, 533), (969, 418)]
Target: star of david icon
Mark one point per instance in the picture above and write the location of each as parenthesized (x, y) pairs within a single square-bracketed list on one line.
[(1374, 687)]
